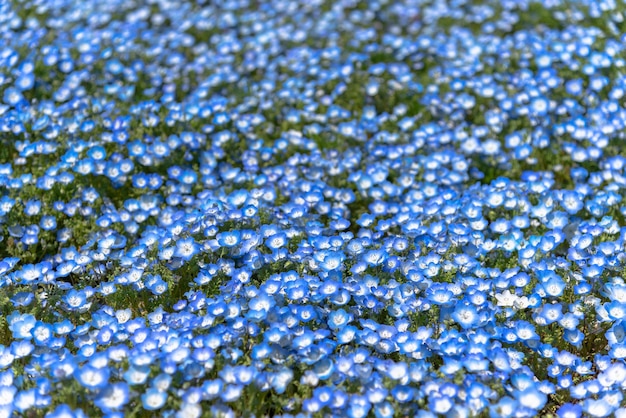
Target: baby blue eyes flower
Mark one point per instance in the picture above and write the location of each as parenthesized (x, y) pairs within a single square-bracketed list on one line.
[(260, 306), (22, 299), (525, 331), (153, 399), (64, 411), (616, 310), (136, 375), (186, 248), (113, 397), (554, 286), (441, 296), (617, 333), (42, 333), (21, 325), (25, 400), (466, 316), (12, 96), (92, 378), (539, 106), (21, 348), (572, 202), (32, 207), (532, 398), (338, 319), (157, 286), (332, 261), (276, 241), (76, 300), (229, 239), (64, 327)]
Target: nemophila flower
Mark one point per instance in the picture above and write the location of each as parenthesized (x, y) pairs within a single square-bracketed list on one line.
[(615, 310), (551, 313), (113, 397), (525, 331), (12, 96), (76, 300), (136, 375), (21, 348), (22, 299), (338, 319), (554, 286), (153, 399), (617, 333), (162, 382), (64, 411), (375, 257), (92, 378), (63, 327), (107, 288), (42, 333), (186, 248), (260, 306), (401, 167), (597, 408), (572, 202), (25, 400), (440, 295), (465, 315), (21, 325), (229, 239), (29, 273), (32, 207), (276, 241), (331, 260)]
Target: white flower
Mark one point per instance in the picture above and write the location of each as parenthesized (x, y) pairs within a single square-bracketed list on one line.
[(506, 298)]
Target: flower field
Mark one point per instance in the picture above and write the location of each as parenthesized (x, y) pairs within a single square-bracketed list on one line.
[(249, 208)]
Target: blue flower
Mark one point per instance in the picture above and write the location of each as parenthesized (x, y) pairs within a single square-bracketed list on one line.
[(358, 407), (113, 397), (153, 399), (12, 96), (276, 241), (162, 382), (63, 327), (572, 202), (186, 248), (569, 410), (551, 313), (92, 378), (597, 407), (331, 260), (525, 331), (21, 325), (554, 286), (466, 316), (229, 239), (22, 299), (532, 398), (25, 400), (136, 375), (338, 319), (76, 300), (64, 411), (30, 273), (42, 333), (21, 348), (157, 286), (260, 306)]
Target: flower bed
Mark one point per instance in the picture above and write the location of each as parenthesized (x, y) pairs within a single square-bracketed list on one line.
[(326, 208)]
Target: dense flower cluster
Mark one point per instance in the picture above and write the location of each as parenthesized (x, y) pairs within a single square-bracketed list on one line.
[(344, 208)]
